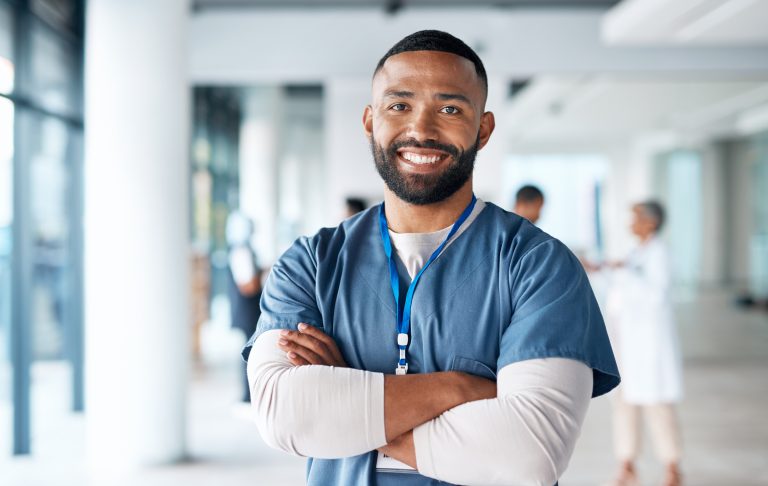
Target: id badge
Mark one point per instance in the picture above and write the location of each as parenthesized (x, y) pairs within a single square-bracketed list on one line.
[(384, 463)]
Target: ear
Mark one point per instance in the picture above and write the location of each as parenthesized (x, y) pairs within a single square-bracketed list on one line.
[(368, 121), (487, 124)]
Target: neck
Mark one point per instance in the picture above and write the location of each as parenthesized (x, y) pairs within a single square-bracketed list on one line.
[(403, 217)]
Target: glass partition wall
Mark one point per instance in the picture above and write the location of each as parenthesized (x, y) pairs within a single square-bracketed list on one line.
[(40, 216)]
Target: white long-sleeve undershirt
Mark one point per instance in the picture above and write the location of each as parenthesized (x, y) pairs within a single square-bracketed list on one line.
[(524, 436), (314, 411)]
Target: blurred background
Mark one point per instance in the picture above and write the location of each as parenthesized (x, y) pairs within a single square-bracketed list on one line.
[(130, 131)]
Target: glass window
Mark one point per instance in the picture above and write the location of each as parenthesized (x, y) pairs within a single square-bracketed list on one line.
[(50, 232), (760, 186), (6, 218), (214, 152), (47, 147), (683, 201), (758, 245), (59, 13), (6, 50), (53, 70)]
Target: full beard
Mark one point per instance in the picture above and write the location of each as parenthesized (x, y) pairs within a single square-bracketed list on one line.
[(422, 189)]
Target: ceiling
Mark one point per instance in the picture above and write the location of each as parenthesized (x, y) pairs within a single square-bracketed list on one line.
[(699, 22), (626, 22), (610, 109), (395, 5)]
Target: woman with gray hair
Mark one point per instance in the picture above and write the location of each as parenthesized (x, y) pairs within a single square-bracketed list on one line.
[(640, 316)]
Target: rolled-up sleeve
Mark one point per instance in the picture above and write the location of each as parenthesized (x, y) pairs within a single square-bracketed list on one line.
[(289, 293)]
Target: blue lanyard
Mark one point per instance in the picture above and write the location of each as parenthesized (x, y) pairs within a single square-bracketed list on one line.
[(404, 313)]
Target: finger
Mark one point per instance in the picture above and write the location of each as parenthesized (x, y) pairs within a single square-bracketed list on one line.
[(316, 333), (297, 360), (327, 340), (309, 342), (294, 358), (304, 353)]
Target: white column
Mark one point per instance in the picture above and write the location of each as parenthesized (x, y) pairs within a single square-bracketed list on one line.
[(350, 170), (714, 215), (258, 166), (136, 232)]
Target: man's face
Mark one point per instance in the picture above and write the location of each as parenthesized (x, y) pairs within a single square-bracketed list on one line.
[(426, 124), (531, 210)]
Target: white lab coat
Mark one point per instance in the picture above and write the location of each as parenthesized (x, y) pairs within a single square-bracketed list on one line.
[(642, 327)]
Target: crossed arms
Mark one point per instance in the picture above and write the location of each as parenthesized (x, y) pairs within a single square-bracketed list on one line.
[(449, 425)]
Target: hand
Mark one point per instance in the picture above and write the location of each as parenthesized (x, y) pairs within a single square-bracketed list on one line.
[(250, 288), (589, 266), (310, 346), (401, 449)]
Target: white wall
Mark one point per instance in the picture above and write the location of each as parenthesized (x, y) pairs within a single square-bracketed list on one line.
[(349, 164), (629, 180), (487, 177)]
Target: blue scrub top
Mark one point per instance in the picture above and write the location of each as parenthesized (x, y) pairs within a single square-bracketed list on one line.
[(504, 291)]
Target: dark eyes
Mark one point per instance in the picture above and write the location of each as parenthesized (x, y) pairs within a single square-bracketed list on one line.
[(449, 110)]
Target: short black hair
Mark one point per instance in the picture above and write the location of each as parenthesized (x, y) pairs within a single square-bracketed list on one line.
[(529, 193), (436, 40), (653, 210)]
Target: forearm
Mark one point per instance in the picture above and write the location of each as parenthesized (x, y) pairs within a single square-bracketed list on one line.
[(525, 436), (411, 400), (416, 399)]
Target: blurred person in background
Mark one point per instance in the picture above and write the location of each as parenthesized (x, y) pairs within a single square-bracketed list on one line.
[(244, 281), (528, 203), (354, 205), (640, 317)]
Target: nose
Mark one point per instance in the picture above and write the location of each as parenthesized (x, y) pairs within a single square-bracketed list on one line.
[(423, 126)]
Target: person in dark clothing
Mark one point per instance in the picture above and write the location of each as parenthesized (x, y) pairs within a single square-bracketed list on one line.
[(244, 281), (355, 205)]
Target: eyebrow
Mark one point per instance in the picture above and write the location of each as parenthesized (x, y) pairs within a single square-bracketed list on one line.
[(453, 97), (393, 93)]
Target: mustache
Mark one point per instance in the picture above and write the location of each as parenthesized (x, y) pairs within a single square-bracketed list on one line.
[(452, 150)]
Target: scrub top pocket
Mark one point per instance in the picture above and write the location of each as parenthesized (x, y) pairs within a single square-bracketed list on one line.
[(473, 367)]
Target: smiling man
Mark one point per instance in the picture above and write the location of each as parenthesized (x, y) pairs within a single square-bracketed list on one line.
[(434, 337)]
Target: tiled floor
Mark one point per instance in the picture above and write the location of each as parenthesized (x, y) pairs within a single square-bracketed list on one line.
[(724, 417)]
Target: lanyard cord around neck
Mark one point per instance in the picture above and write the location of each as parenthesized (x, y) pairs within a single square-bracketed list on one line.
[(403, 323)]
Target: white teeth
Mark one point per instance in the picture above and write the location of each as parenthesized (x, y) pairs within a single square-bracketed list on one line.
[(420, 159)]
